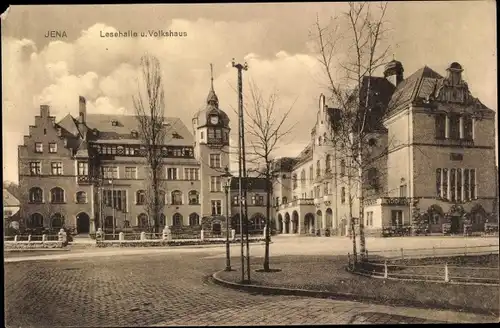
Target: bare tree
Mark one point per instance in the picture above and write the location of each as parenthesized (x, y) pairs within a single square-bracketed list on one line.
[(350, 51), (266, 127), (149, 105)]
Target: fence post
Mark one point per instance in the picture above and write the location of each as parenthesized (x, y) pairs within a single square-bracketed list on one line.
[(202, 233), (44, 237), (16, 238), (446, 276), (143, 235), (121, 236), (433, 251), (402, 254), (233, 234), (386, 274), (465, 250), (29, 238)]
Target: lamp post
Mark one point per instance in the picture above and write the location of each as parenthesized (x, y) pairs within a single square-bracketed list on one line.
[(227, 183)]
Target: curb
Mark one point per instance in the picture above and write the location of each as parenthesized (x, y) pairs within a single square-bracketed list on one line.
[(269, 290)]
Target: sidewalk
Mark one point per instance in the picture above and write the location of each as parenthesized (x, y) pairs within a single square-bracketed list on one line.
[(326, 277)]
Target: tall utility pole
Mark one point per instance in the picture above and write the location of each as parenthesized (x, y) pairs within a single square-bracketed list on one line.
[(242, 173)]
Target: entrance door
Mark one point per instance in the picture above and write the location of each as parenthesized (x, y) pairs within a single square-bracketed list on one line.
[(455, 224), (83, 223)]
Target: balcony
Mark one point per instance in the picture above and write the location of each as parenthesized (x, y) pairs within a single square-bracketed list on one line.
[(298, 202), (400, 201), (455, 142), (84, 180)]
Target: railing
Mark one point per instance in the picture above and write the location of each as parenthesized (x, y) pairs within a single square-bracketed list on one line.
[(433, 264), (413, 253), (300, 201)]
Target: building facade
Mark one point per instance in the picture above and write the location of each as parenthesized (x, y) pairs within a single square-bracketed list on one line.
[(432, 153), (11, 206), (90, 171)]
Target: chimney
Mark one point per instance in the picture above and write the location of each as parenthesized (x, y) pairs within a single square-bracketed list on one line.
[(44, 110), (82, 113), (393, 72)]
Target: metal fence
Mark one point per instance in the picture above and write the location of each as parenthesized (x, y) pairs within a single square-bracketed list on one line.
[(434, 264)]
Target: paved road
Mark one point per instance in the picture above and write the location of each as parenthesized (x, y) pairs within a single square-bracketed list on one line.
[(169, 288)]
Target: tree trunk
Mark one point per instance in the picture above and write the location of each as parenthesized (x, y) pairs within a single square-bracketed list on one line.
[(268, 224), (352, 223), (362, 242)]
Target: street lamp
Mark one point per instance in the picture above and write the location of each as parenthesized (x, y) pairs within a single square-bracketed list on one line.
[(227, 183)]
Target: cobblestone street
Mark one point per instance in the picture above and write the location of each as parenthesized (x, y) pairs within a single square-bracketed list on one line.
[(166, 289)]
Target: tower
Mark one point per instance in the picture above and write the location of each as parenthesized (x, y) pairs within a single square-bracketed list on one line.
[(211, 126), (393, 72)]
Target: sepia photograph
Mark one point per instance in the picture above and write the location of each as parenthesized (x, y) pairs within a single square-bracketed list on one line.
[(250, 164)]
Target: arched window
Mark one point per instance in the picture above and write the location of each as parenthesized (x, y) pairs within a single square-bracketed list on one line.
[(194, 219), (57, 195), (342, 168), (176, 197), (35, 221), (303, 177), (57, 221), (194, 197), (140, 197), (294, 181), (162, 220), (161, 197), (177, 220), (372, 177), (328, 163), (319, 141), (36, 195), (311, 173), (81, 197), (318, 168), (142, 220), (285, 201)]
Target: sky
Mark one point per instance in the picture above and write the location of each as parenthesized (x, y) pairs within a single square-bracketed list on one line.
[(274, 39)]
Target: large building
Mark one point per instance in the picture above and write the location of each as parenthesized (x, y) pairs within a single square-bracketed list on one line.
[(90, 171), (432, 148)]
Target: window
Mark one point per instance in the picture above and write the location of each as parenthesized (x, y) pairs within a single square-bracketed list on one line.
[(303, 178), (81, 197), (57, 221), (328, 163), (452, 184), (142, 220), (294, 181), (216, 207), (397, 218), (131, 173), (134, 134), (466, 184), (457, 184), (215, 184), (83, 169), (176, 197), (201, 135), (438, 182), (162, 220), (172, 173), (319, 141), (116, 199), (373, 177), (342, 195), (38, 147), (326, 187), (311, 173), (177, 220), (211, 134), (35, 221), (126, 224), (402, 190), (56, 168), (194, 219), (468, 123), (215, 160), (140, 197), (277, 201), (235, 200), (473, 184), (445, 184), (36, 195), (161, 197), (57, 195), (194, 198), (342, 168), (372, 142), (257, 200), (285, 201), (52, 147), (440, 125), (454, 123), (110, 172), (192, 174), (318, 168), (369, 219), (35, 168)]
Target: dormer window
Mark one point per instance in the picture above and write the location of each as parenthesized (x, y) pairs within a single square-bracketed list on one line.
[(114, 123), (134, 134), (175, 135)]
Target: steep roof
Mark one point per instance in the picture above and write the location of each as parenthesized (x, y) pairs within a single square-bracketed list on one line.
[(418, 85), (68, 123), (305, 154), (9, 199), (177, 133), (249, 183)]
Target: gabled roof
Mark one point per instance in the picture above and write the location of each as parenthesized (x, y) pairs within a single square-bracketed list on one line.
[(9, 199), (177, 133), (418, 85), (68, 123)]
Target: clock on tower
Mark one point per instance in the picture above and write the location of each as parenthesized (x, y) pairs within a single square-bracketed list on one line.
[(214, 119)]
